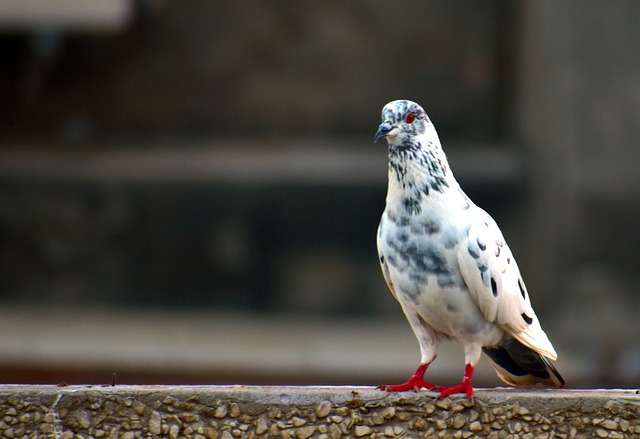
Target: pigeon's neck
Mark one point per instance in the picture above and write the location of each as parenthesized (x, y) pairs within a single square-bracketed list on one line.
[(418, 170)]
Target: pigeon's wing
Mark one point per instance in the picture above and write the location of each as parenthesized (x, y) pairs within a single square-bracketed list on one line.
[(496, 286), (385, 266)]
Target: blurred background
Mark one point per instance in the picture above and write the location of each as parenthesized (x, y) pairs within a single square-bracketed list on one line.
[(189, 192)]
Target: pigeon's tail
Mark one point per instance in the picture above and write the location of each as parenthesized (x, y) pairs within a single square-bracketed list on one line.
[(518, 365)]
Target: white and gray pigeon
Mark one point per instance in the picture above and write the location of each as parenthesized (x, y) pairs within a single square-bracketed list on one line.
[(447, 264)]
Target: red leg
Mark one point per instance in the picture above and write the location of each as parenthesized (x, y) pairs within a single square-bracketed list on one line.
[(416, 382), (463, 387)]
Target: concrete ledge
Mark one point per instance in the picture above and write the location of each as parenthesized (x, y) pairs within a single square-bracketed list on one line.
[(228, 412)]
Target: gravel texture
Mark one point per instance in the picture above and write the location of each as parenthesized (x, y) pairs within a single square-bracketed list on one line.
[(227, 412)]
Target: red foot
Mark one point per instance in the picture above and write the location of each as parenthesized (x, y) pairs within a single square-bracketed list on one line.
[(463, 387), (416, 382)]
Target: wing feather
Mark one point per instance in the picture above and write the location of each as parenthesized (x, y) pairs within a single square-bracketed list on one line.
[(495, 284)]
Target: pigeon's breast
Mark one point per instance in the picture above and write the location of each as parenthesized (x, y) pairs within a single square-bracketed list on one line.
[(421, 258), (420, 249)]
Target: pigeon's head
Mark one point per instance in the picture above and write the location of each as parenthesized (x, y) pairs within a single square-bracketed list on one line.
[(401, 121)]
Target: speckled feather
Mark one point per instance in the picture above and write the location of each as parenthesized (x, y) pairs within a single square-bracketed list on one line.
[(447, 263)]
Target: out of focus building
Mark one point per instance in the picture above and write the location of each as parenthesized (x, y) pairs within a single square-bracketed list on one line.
[(206, 156)]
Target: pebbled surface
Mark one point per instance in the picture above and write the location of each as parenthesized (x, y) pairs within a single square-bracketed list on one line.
[(228, 412)]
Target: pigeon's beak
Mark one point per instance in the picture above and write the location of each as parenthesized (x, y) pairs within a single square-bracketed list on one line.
[(383, 131)]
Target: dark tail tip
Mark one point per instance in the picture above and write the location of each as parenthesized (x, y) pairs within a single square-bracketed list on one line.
[(523, 365)]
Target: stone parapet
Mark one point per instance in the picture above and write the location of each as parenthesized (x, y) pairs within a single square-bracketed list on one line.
[(228, 412)]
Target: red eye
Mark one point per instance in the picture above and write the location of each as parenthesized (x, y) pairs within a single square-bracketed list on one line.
[(409, 118)]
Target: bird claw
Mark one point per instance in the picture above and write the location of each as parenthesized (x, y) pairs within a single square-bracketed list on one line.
[(464, 387), (452, 390), (414, 384)]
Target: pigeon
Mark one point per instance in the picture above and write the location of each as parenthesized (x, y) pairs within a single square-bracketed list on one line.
[(447, 264)]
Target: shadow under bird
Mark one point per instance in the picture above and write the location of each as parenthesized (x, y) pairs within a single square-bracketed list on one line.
[(448, 265)]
